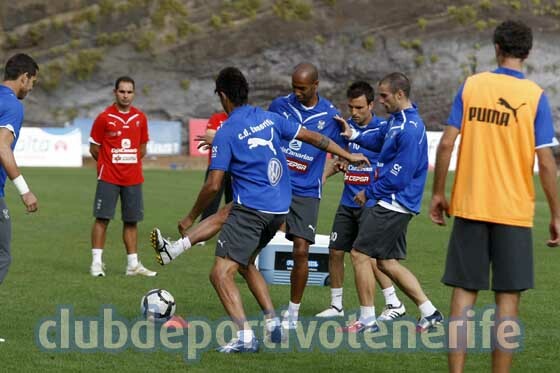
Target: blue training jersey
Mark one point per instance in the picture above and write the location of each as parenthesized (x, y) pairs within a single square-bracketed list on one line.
[(306, 162), (11, 118), (357, 179), (402, 166), (248, 146)]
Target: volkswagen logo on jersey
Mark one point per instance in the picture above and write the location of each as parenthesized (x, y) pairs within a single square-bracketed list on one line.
[(295, 145), (274, 171), (320, 125)]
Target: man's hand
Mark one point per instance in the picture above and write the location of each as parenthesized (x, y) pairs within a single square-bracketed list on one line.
[(346, 130), (204, 142), (554, 229), (438, 207), (184, 224), (30, 201), (360, 198), (359, 159)]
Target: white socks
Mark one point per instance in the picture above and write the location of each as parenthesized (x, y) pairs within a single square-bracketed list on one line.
[(293, 310), (336, 298), (245, 335), (97, 254), (132, 260), (186, 243), (391, 296), (272, 323), (367, 315), (427, 308)]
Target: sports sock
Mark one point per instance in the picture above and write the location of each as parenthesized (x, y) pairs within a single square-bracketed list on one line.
[(427, 308), (367, 315), (245, 335), (186, 243), (336, 297), (272, 323), (132, 260), (391, 296), (293, 309), (97, 255)]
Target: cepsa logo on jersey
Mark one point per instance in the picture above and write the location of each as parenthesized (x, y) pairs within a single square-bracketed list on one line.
[(297, 165), (356, 178)]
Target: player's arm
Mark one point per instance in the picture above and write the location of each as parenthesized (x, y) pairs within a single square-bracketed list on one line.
[(439, 204), (10, 166), (547, 175), (324, 143), (205, 141), (94, 150), (371, 140), (402, 168), (209, 190), (143, 150)]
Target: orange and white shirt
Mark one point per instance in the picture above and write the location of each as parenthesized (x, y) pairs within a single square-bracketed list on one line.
[(503, 118)]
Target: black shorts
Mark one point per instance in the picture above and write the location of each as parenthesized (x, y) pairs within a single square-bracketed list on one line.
[(301, 221), (382, 233), (105, 202), (245, 233), (477, 246), (345, 228)]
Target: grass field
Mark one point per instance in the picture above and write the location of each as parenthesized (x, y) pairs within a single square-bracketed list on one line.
[(51, 258)]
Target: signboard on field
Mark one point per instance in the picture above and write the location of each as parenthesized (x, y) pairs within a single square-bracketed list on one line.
[(197, 127), (49, 147), (165, 136)]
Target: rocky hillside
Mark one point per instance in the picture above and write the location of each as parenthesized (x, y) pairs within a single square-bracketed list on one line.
[(174, 48)]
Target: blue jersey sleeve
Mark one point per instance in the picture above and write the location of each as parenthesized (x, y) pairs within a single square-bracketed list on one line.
[(456, 116), (221, 151), (402, 168), (288, 129), (373, 139), (12, 117), (544, 125)]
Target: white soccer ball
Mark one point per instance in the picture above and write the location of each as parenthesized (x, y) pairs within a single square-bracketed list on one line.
[(158, 305)]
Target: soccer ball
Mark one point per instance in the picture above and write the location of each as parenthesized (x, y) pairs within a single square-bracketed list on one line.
[(157, 305)]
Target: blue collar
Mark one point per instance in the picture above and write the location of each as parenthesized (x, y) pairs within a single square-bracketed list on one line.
[(6, 89), (504, 70)]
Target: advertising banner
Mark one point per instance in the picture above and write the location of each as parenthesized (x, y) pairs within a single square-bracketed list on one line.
[(49, 147), (197, 127)]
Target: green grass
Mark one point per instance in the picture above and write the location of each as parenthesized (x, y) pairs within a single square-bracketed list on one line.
[(51, 252)]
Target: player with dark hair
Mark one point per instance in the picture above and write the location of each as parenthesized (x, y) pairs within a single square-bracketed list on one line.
[(347, 219), (397, 189), (20, 74), (504, 120), (249, 146), (118, 143)]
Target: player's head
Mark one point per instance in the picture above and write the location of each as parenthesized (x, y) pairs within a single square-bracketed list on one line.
[(513, 39), (394, 92), (305, 83), (360, 96), (21, 71), (124, 92), (232, 87)]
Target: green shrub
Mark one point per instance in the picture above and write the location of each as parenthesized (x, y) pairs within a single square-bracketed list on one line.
[(83, 63), (464, 15), (422, 23), (369, 43), (290, 10), (185, 84)]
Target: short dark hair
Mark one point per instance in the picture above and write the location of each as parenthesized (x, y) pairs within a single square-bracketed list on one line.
[(18, 65), (514, 38), (361, 88), (397, 81), (232, 83), (126, 79)]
